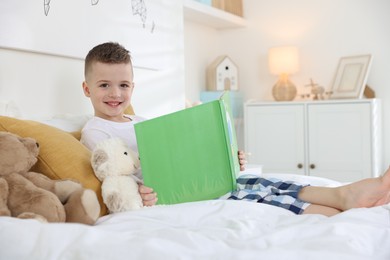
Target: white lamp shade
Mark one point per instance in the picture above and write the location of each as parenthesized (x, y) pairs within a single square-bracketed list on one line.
[(283, 60)]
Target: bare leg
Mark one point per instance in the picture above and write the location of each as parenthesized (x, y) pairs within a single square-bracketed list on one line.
[(362, 194), (323, 210)]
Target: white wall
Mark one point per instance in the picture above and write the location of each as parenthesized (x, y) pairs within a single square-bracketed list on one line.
[(42, 85), (201, 45), (323, 31)]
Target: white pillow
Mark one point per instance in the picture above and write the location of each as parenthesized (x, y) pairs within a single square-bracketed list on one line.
[(67, 122)]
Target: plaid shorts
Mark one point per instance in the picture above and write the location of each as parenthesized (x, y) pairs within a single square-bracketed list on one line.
[(272, 191)]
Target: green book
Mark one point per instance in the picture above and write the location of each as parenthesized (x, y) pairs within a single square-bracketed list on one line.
[(190, 155)]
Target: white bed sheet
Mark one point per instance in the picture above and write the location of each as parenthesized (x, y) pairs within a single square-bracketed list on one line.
[(215, 229)]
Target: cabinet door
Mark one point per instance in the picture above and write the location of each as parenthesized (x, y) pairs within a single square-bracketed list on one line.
[(274, 134), (339, 141)]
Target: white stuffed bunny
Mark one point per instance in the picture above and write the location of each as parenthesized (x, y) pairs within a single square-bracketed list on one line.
[(114, 163)]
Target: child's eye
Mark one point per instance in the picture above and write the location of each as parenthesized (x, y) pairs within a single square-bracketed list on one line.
[(124, 85), (105, 85)]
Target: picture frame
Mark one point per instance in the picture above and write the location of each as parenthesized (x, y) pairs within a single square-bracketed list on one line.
[(351, 77)]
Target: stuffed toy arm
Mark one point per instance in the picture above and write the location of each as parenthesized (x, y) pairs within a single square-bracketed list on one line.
[(121, 194)]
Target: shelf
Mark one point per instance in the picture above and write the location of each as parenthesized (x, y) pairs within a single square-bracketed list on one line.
[(211, 16)]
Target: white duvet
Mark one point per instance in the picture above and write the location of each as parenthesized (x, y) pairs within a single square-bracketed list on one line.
[(215, 229)]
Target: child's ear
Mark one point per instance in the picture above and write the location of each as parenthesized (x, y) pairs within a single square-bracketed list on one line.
[(87, 93)]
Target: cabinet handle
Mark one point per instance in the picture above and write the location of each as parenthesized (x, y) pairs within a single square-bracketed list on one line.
[(300, 165), (312, 166)]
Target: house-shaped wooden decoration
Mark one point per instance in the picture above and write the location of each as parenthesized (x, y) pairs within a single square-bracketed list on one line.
[(222, 74)]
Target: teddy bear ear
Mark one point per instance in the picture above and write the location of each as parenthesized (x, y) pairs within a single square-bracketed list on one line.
[(137, 163), (30, 143), (99, 163), (99, 156)]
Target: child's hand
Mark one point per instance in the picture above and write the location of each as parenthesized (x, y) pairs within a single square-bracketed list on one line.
[(149, 198), (242, 160)]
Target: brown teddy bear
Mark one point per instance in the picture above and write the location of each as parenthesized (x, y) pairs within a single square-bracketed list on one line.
[(25, 194)]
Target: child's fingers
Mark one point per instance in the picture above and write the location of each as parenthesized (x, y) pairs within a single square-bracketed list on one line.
[(144, 189)]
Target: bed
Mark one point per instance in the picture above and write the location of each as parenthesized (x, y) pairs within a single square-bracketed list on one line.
[(212, 229)]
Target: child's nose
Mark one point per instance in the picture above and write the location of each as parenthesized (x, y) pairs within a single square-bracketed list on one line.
[(114, 92)]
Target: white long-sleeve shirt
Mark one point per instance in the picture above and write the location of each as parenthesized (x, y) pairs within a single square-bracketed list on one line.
[(98, 129)]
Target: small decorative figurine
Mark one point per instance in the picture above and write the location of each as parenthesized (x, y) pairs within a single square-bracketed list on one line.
[(222, 74), (316, 90)]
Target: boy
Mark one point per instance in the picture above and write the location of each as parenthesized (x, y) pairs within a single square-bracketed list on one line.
[(109, 84)]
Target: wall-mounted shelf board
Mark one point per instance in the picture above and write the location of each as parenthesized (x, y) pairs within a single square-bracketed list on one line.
[(211, 16)]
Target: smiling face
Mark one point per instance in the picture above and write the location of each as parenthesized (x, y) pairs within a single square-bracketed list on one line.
[(110, 87)]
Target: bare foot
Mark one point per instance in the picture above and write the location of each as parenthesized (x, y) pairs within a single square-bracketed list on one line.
[(367, 193)]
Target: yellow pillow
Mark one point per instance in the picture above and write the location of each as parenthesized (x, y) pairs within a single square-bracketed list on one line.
[(129, 110), (61, 155)]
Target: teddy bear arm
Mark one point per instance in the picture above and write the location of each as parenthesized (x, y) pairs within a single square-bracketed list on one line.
[(62, 188), (39, 180), (65, 188), (4, 211), (136, 200)]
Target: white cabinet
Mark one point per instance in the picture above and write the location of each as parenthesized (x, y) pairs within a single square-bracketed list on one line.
[(337, 139)]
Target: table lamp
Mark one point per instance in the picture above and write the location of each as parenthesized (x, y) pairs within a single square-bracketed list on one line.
[(283, 61)]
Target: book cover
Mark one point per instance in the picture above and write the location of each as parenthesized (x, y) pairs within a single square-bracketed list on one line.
[(190, 155)]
